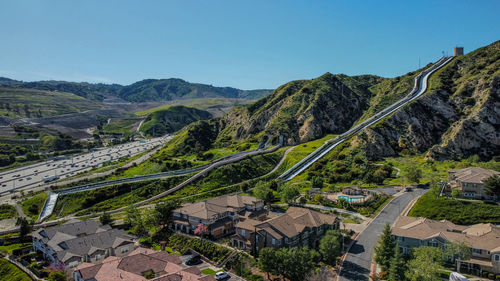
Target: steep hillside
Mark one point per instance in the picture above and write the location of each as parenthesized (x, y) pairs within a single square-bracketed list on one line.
[(458, 117), (304, 110), (172, 89), (171, 119), (18, 103)]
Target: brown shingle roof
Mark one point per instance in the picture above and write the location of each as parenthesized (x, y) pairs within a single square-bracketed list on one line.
[(295, 220), (473, 174), (206, 209), (480, 236)]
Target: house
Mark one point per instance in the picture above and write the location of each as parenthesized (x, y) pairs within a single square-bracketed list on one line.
[(471, 181), (483, 239), (219, 214), (81, 241), (352, 190), (140, 265), (296, 227)]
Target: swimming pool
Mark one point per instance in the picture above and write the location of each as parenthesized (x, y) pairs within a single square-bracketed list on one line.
[(349, 199)]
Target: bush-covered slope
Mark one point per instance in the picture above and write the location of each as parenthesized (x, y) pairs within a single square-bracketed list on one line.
[(172, 89), (304, 110), (458, 117), (171, 119)]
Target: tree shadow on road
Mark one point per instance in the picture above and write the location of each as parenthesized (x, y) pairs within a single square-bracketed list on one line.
[(354, 272), (357, 249)]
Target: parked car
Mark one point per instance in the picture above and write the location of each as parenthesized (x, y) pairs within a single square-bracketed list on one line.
[(222, 275), (193, 260)]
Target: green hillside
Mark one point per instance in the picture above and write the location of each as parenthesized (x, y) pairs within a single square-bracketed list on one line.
[(456, 118), (171, 119), (18, 103), (174, 89)]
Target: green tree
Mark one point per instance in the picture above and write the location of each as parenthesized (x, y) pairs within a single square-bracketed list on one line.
[(330, 247), (163, 213), (267, 261), (384, 251), (397, 268), (295, 263), (413, 174), (492, 185), (57, 276), (458, 251), (262, 191), (105, 218), (425, 264), (317, 182), (455, 193), (289, 193), (25, 226)]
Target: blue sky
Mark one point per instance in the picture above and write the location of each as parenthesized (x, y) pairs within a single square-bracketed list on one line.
[(244, 44)]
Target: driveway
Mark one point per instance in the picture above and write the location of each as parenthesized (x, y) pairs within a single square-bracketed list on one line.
[(357, 264)]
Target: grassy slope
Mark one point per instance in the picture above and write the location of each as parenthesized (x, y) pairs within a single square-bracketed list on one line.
[(14, 102), (38, 201), (456, 211), (10, 272), (171, 119), (7, 211), (201, 103)]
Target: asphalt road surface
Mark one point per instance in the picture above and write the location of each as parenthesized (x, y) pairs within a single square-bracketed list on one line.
[(357, 264), (37, 174)]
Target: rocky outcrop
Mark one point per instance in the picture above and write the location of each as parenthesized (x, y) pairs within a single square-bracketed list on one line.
[(304, 110), (458, 118)]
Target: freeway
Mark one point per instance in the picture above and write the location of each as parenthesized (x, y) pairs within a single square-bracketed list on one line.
[(49, 206), (419, 88), (51, 170)]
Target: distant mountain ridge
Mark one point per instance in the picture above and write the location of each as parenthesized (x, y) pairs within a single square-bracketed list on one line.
[(141, 91)]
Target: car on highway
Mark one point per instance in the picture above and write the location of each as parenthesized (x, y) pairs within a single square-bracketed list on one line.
[(20, 179), (222, 275), (28, 178)]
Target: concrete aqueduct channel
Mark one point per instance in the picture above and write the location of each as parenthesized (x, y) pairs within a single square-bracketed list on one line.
[(419, 89)]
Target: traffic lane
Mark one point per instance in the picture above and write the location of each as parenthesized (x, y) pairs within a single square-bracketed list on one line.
[(66, 170), (112, 150), (357, 264)]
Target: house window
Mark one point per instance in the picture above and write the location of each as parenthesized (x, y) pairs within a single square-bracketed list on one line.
[(124, 249), (433, 243), (274, 241), (476, 251), (286, 240), (243, 232), (497, 258)]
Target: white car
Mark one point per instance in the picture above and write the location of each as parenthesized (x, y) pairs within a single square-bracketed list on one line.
[(222, 275)]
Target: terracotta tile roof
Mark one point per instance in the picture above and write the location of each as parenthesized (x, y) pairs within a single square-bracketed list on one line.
[(480, 236), (133, 266), (140, 263)]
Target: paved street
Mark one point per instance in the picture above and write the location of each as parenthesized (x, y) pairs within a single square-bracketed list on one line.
[(357, 264)]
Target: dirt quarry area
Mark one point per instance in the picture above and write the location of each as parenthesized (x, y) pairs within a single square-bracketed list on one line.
[(76, 125)]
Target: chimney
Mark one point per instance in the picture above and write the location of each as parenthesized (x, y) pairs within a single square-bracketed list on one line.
[(162, 243)]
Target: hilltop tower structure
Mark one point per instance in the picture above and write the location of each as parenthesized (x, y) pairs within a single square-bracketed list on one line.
[(458, 51)]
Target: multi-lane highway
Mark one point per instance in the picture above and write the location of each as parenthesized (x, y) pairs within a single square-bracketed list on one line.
[(419, 88), (52, 170)]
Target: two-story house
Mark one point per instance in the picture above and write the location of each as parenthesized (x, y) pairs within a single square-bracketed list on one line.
[(483, 239), (296, 227), (81, 241), (219, 214), (471, 181)]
